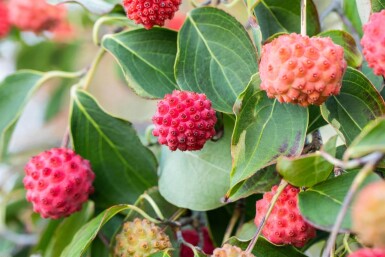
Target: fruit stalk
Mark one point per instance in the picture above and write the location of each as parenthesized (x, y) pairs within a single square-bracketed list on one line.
[(303, 17), (253, 241), (358, 180)]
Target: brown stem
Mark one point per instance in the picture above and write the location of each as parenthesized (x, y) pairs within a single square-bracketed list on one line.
[(358, 180), (303, 17)]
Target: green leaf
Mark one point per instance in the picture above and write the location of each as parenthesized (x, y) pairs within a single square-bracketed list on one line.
[(247, 231), (83, 238), (15, 91), (328, 197), (307, 170), (264, 130), (285, 16), (67, 229), (377, 81), (351, 53), (264, 248), (215, 57), (351, 11), (197, 180), (315, 119), (377, 5), (357, 104), (98, 7), (371, 139), (124, 168), (260, 182), (147, 59)]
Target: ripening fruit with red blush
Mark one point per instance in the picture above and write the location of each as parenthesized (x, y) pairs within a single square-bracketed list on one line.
[(367, 252), (373, 42), (4, 20), (368, 215), (301, 70), (285, 224), (151, 12), (58, 182), (36, 16), (231, 251), (184, 120)]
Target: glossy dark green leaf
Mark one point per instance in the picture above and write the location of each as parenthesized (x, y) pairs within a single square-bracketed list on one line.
[(315, 119), (351, 53), (357, 104), (328, 197), (147, 59), (264, 248), (124, 168), (83, 238), (285, 16), (99, 7), (371, 139), (377, 5), (307, 170), (15, 91), (260, 182), (215, 56), (197, 180), (377, 81), (265, 129)]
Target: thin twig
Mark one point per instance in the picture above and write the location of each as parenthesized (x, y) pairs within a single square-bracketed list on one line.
[(231, 225), (253, 241), (66, 138), (303, 17), (349, 164), (361, 176)]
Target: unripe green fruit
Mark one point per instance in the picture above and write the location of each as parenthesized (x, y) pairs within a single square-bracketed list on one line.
[(140, 238)]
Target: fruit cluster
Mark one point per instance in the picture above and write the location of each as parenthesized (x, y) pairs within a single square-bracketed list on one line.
[(58, 182), (285, 225), (184, 120)]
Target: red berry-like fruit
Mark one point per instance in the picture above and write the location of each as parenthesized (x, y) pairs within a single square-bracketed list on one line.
[(191, 236), (36, 15), (373, 42), (58, 182), (368, 215), (151, 12), (367, 252), (285, 224), (184, 120), (4, 20), (302, 70)]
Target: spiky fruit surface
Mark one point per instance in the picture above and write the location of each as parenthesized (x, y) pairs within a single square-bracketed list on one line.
[(230, 251), (184, 120), (140, 238), (151, 12), (191, 236), (285, 224), (302, 70), (4, 20), (368, 214), (367, 252), (58, 182), (35, 15), (373, 42)]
